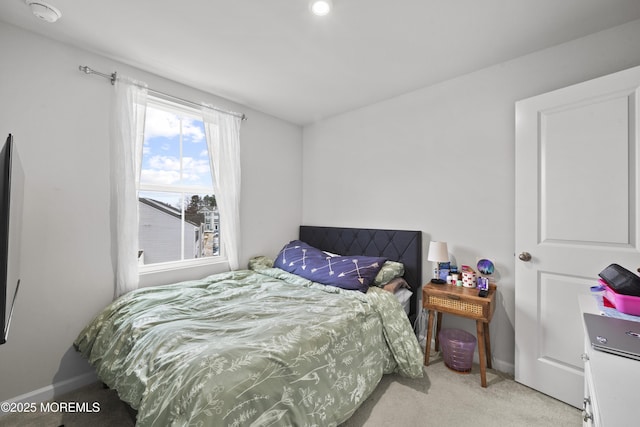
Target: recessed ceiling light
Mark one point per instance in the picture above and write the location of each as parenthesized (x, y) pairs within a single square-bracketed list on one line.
[(44, 11), (320, 7)]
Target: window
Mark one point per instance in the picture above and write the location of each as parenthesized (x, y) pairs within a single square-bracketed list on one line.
[(178, 214)]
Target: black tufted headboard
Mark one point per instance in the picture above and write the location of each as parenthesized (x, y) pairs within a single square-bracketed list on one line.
[(396, 245)]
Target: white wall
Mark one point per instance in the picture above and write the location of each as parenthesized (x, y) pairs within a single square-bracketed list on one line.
[(59, 118), (441, 160)]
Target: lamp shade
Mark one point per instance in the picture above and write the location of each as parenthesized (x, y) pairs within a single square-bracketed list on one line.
[(438, 252)]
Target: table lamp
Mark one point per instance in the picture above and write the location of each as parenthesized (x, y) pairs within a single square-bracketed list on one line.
[(438, 253)]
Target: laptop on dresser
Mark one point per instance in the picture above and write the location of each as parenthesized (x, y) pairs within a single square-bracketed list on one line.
[(613, 335)]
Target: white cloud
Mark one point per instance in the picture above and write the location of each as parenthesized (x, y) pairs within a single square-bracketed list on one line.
[(159, 177), (161, 123), (192, 131), (168, 163), (199, 167), (164, 124), (189, 164), (166, 170)]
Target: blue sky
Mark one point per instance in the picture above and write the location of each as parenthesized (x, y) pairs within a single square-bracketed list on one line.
[(161, 155)]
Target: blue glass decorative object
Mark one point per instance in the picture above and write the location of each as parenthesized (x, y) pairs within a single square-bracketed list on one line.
[(485, 266)]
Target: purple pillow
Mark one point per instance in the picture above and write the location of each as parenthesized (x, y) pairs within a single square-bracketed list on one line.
[(346, 272)]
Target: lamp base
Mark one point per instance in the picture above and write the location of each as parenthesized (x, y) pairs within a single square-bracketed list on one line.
[(438, 281)]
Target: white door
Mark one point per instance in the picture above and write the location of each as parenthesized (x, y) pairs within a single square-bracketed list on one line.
[(577, 209)]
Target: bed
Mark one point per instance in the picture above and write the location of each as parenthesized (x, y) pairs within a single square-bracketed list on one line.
[(261, 346)]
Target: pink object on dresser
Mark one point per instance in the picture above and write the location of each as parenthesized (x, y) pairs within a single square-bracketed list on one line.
[(623, 303)]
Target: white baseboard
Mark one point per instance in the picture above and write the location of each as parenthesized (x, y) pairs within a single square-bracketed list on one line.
[(54, 390), (506, 367)]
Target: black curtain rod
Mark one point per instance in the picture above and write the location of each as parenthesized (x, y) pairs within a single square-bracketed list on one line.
[(114, 76)]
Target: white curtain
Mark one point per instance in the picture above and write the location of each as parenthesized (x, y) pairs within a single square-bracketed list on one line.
[(127, 138), (223, 140)]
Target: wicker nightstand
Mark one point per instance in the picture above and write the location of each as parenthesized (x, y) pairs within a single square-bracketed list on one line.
[(463, 302)]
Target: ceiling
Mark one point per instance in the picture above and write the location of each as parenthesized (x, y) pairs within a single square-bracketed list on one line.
[(275, 57)]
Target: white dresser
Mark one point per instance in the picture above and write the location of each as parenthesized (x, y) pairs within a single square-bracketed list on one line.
[(612, 383)]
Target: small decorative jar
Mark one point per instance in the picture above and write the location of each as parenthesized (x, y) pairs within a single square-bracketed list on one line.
[(469, 279)]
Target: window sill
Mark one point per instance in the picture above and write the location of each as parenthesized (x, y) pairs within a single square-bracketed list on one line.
[(181, 265), (173, 272)]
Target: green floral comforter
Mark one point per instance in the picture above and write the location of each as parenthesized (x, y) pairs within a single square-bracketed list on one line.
[(254, 348)]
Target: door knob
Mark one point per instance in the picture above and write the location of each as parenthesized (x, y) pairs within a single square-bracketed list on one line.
[(524, 256)]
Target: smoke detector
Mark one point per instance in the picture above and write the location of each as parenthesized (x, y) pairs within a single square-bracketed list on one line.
[(44, 10)]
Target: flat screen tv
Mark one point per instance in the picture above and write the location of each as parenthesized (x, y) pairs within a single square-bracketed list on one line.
[(11, 191)]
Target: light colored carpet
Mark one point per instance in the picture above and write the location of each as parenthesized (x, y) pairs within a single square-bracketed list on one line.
[(441, 398), (445, 398)]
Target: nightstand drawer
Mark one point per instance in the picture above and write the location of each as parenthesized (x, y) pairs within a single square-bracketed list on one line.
[(454, 303), (459, 300)]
